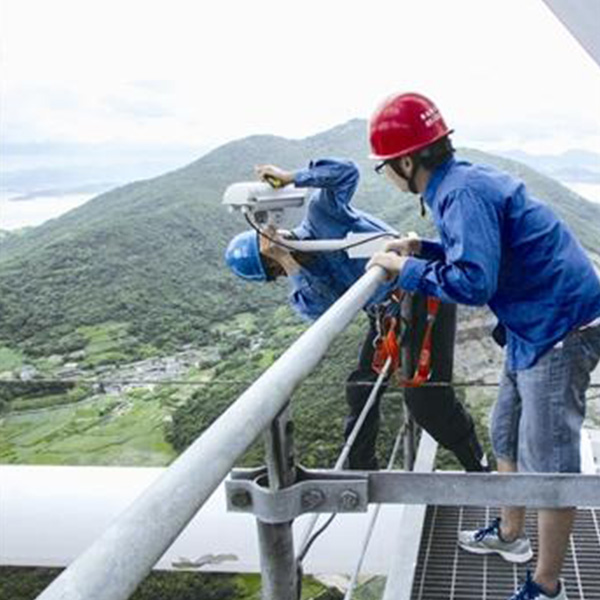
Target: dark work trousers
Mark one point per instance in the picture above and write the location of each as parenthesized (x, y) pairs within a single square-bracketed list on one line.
[(437, 410)]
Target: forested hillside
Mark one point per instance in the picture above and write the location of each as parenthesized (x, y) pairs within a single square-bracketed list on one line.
[(149, 254), (132, 286)]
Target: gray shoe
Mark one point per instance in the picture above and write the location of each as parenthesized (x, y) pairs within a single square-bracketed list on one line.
[(488, 541), (530, 590)]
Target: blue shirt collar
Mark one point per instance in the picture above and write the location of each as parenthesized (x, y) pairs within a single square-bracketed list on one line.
[(435, 180)]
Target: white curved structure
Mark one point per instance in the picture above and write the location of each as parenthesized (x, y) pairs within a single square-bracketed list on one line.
[(49, 515)]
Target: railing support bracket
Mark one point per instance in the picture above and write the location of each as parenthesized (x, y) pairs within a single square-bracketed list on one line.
[(313, 492)]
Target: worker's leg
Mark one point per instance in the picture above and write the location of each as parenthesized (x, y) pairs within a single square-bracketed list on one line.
[(504, 433), (512, 525), (436, 409), (363, 455), (554, 531), (553, 400), (504, 536)]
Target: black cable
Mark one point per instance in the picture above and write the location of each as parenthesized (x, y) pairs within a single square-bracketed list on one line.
[(299, 576), (315, 535), (73, 382), (282, 244), (327, 523)]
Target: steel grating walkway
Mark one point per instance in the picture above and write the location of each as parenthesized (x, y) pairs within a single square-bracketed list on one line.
[(444, 572)]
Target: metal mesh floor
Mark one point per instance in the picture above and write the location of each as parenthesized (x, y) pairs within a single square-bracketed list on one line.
[(444, 572)]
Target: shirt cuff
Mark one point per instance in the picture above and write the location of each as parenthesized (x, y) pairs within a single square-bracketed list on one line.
[(431, 250), (412, 273), (303, 178), (301, 232)]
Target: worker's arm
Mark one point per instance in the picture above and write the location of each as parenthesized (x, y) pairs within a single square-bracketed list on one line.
[(338, 176), (413, 245), (431, 250), (468, 274), (311, 294), (272, 246), (336, 181), (329, 213)]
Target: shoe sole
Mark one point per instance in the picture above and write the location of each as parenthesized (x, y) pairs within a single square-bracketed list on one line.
[(507, 556)]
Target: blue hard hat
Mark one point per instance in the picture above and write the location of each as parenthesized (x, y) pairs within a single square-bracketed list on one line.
[(243, 257)]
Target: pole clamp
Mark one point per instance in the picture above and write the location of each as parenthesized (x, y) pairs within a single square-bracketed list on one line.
[(315, 491)]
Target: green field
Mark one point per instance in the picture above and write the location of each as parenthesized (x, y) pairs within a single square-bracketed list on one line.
[(9, 359), (105, 430), (81, 427), (17, 583)]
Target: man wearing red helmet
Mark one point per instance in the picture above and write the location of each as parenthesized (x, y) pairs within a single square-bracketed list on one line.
[(501, 247)]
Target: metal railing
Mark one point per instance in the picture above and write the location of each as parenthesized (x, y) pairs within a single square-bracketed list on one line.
[(123, 556)]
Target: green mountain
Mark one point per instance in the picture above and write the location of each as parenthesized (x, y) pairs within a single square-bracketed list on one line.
[(149, 254), (138, 272)]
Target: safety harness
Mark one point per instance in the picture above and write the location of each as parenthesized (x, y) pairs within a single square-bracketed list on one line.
[(391, 331)]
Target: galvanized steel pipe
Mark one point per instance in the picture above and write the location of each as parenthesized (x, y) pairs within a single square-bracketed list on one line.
[(122, 557)]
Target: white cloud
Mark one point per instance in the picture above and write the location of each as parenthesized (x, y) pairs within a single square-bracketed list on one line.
[(179, 71)]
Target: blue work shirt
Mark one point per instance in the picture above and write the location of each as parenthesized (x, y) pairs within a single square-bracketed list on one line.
[(329, 215), (501, 247)]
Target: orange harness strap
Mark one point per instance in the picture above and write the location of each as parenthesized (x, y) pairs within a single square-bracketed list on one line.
[(387, 346)]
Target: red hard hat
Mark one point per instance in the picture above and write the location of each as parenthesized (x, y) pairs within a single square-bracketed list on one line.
[(405, 123)]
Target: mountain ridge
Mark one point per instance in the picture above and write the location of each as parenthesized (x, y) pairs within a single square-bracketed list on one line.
[(149, 253)]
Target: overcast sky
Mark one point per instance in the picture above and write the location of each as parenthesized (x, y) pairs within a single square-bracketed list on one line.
[(505, 73)]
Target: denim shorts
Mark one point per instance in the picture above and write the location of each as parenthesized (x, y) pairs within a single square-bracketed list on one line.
[(536, 421)]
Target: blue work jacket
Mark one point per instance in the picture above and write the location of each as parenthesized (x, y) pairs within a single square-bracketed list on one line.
[(501, 247), (329, 215)]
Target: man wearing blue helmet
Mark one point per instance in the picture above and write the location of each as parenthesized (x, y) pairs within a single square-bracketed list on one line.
[(249, 260), (319, 279)]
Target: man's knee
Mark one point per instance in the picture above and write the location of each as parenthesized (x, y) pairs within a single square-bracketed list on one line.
[(439, 412)]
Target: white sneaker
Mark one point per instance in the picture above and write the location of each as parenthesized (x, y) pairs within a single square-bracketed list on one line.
[(488, 541), (530, 590)]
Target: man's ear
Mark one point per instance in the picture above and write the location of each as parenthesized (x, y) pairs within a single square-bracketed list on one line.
[(407, 165)]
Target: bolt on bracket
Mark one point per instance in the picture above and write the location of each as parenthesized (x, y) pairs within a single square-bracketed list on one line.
[(314, 492)]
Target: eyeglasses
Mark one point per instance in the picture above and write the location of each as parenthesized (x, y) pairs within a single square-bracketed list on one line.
[(379, 167)]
